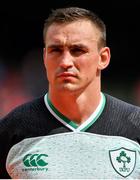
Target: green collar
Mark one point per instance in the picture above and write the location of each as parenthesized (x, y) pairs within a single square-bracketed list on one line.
[(72, 125)]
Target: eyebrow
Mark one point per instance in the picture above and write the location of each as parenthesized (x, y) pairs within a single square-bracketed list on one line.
[(53, 46), (78, 46)]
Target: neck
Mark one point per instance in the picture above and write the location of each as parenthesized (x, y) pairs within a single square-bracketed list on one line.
[(76, 106)]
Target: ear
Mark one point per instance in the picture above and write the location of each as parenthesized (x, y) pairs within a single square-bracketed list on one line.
[(104, 59)]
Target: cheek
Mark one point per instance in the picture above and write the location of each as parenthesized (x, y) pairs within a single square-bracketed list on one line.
[(51, 68), (49, 64), (48, 67), (88, 64)]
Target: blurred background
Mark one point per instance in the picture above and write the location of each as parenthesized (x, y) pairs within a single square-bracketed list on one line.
[(22, 74)]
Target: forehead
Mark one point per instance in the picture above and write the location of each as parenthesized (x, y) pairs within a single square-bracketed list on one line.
[(73, 32)]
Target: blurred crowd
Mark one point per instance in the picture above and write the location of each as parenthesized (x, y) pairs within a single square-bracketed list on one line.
[(22, 84)]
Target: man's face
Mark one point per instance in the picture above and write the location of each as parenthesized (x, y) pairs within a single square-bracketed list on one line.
[(71, 55)]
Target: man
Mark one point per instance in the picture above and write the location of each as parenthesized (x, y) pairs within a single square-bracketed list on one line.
[(75, 130)]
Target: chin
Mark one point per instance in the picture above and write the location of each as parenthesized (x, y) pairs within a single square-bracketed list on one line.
[(67, 87)]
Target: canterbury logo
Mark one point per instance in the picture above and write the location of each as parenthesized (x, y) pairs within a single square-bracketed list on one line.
[(35, 160)]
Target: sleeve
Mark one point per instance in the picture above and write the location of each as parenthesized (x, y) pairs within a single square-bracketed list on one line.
[(5, 145)]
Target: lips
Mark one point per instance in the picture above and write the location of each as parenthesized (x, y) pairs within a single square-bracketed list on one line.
[(66, 74)]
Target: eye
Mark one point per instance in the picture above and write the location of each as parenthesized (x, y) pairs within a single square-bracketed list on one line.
[(53, 50), (77, 51)]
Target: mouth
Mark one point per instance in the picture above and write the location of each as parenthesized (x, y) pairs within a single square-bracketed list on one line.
[(66, 74)]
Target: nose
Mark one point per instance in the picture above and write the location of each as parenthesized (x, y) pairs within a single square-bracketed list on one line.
[(66, 60)]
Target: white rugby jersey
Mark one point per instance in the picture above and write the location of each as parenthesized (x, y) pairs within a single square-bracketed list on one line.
[(76, 154)]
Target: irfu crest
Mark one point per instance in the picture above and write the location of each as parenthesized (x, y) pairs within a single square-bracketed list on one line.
[(123, 161)]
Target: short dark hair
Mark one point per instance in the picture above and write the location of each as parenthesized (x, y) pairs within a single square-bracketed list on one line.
[(67, 15)]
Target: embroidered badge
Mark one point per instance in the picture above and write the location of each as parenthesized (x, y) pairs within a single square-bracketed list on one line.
[(123, 161)]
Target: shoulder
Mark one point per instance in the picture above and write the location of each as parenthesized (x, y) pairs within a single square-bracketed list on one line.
[(124, 118), (28, 106), (118, 103), (23, 112), (123, 109)]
